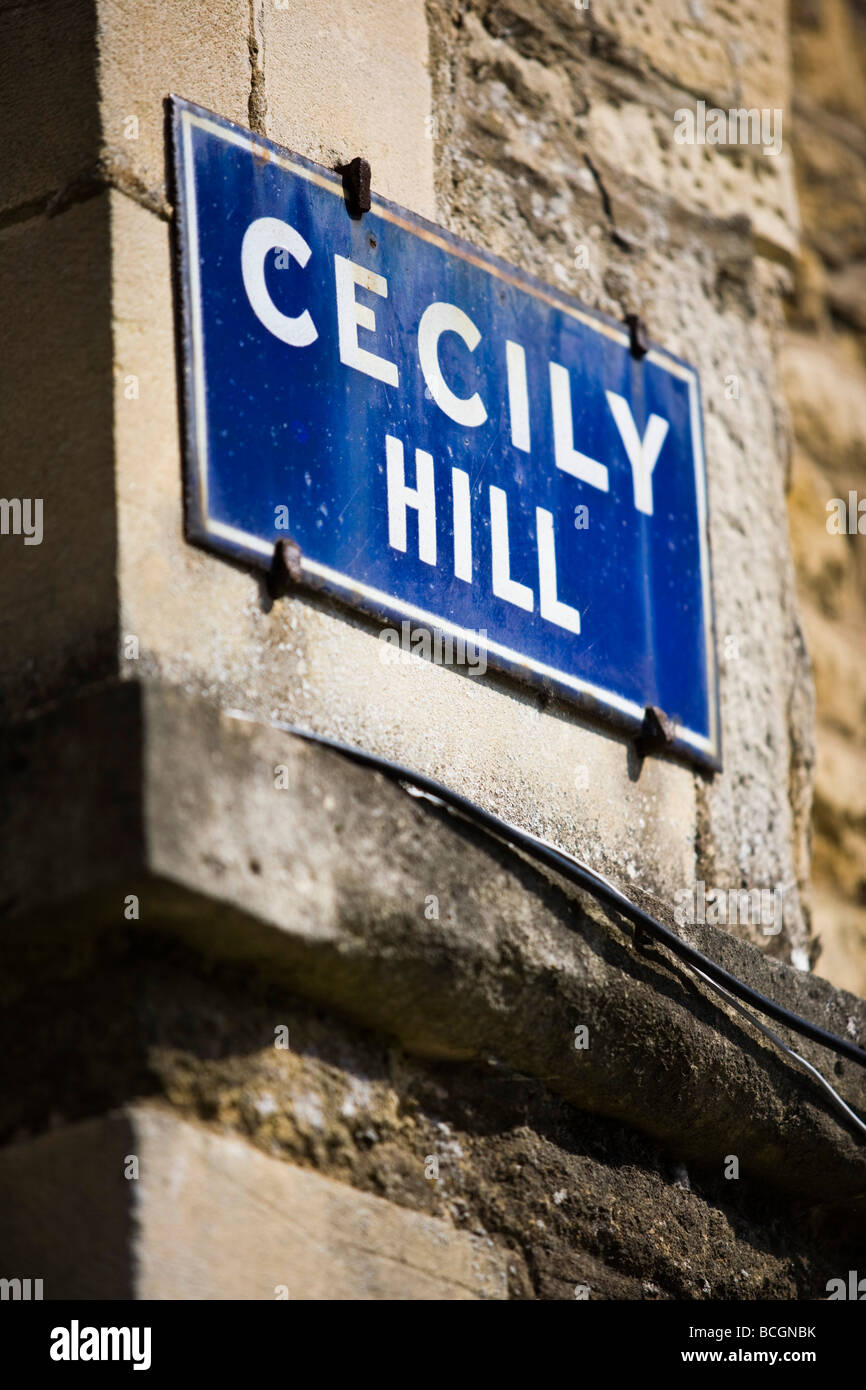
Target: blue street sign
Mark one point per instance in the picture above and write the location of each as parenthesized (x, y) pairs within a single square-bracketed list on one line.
[(448, 441)]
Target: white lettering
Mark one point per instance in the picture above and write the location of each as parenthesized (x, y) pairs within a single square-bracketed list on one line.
[(642, 453), (351, 316), (439, 318), (503, 585), (567, 457), (422, 497), (261, 237), (518, 394), (551, 608), (462, 525)]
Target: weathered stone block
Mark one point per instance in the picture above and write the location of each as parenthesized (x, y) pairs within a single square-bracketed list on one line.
[(49, 102), (147, 49), (144, 1205), (255, 849), (373, 54), (58, 602)]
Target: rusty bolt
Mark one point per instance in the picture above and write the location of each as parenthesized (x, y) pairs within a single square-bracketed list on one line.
[(657, 732), (638, 340), (286, 568), (356, 185)]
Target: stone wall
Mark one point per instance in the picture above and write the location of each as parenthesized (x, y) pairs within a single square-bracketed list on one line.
[(824, 365), (534, 131), (167, 908), (551, 1103), (555, 133)]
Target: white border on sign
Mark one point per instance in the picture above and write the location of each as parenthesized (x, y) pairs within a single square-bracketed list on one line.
[(333, 578)]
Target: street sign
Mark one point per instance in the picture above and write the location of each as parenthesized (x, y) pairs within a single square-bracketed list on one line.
[(447, 441)]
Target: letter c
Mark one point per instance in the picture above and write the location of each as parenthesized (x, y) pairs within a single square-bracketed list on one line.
[(261, 237), (439, 318)]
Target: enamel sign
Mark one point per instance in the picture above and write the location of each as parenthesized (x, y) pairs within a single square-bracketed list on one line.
[(445, 441)]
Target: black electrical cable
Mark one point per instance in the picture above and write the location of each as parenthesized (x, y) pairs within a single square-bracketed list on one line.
[(841, 1105), (585, 877)]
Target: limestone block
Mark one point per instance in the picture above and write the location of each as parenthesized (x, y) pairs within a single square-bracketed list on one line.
[(49, 107), (828, 407), (824, 561), (628, 123), (829, 55), (831, 171), (840, 672), (347, 79), (206, 1216), (709, 47), (58, 600), (148, 49), (255, 850), (842, 930)]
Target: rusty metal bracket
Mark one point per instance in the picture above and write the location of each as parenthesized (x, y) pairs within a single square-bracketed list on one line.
[(286, 569), (658, 732), (356, 185), (638, 338), (643, 941)]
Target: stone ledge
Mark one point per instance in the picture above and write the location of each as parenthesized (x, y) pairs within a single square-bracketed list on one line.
[(209, 1217), (323, 887)]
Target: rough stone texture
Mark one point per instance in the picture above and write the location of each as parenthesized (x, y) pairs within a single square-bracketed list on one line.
[(565, 1198), (328, 885), (734, 55), (529, 167), (824, 365), (539, 120), (207, 1217), (448, 1035)]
